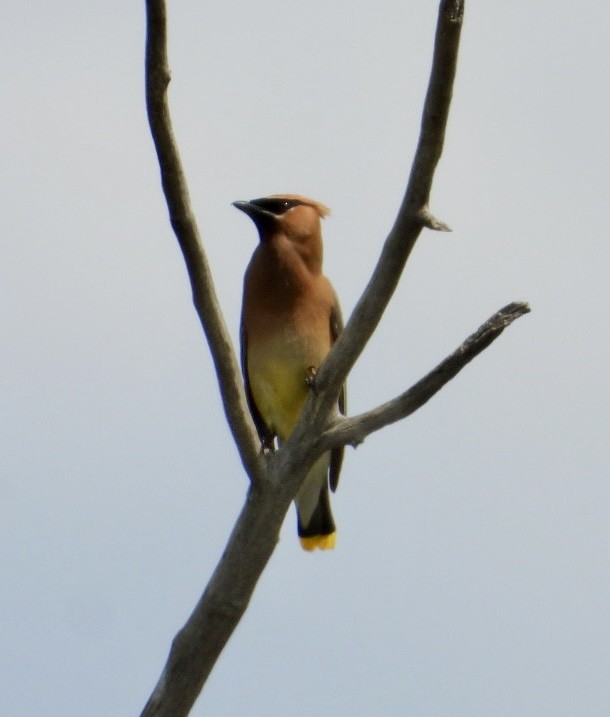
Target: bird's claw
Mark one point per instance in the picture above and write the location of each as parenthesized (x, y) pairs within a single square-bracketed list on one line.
[(310, 377)]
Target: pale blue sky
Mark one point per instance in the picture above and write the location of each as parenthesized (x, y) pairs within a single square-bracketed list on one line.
[(472, 573)]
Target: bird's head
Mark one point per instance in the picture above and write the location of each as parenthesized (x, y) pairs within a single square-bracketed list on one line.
[(289, 214), (281, 217)]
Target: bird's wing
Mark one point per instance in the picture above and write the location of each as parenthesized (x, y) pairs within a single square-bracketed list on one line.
[(336, 455), (266, 436)]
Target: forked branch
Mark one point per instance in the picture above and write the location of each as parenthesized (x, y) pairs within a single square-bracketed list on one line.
[(276, 478)]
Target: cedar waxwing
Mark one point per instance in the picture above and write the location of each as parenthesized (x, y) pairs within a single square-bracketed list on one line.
[(290, 319)]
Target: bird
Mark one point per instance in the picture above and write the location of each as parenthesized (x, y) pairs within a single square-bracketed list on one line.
[(290, 319)]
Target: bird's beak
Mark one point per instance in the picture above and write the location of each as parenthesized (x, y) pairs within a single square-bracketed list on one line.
[(261, 217), (243, 206), (250, 209)]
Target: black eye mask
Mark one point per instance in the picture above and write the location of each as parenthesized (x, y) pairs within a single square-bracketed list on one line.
[(275, 205)]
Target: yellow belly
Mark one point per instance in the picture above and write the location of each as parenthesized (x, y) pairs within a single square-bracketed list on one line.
[(279, 392), (277, 375)]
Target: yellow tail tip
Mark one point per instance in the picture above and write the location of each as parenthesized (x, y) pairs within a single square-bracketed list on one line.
[(323, 542)]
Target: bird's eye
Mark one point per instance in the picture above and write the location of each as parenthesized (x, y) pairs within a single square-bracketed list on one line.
[(275, 205)]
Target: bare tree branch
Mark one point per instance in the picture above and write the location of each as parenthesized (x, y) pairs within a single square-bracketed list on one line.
[(185, 227), (276, 477), (354, 429), (412, 216), (197, 646)]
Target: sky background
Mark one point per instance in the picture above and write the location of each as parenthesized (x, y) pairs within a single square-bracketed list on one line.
[(472, 571)]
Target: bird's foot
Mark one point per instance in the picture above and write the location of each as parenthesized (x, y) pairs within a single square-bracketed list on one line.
[(267, 445), (310, 377)]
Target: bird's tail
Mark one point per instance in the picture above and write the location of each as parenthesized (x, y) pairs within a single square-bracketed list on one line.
[(319, 531)]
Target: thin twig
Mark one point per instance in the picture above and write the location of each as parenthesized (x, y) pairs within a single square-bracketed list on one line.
[(185, 227), (353, 430)]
